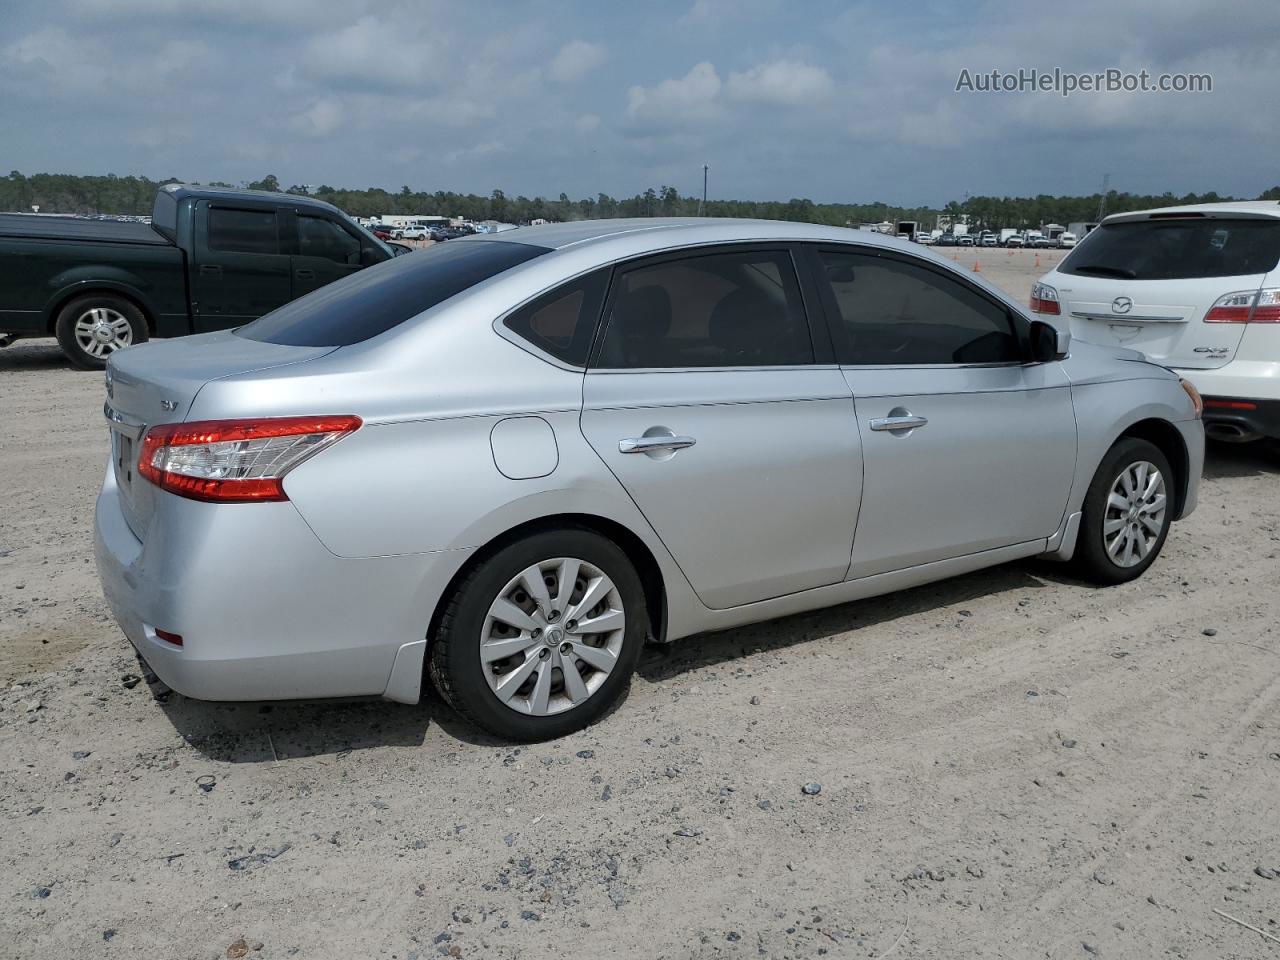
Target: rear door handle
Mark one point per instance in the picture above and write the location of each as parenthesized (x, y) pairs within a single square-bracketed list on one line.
[(211, 269), (907, 422), (652, 444), (305, 274)]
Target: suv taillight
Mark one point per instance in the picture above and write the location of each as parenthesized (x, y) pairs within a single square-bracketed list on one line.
[(235, 461), (1044, 299), (1246, 306)]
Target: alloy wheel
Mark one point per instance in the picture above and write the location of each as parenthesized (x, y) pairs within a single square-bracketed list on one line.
[(1135, 514), (552, 636), (101, 331)]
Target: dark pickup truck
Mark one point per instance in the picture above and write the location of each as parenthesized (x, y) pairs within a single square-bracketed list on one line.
[(209, 259)]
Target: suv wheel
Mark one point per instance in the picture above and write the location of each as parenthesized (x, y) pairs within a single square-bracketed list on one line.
[(542, 637), (1127, 513)]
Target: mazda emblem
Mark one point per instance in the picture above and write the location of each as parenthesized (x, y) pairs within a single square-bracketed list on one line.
[(1121, 305)]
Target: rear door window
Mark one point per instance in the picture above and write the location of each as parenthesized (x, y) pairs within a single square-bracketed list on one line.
[(243, 231), (378, 298), (1177, 249), (740, 309)]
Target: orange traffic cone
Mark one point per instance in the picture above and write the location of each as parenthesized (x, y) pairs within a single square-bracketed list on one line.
[(1037, 260), (976, 267)]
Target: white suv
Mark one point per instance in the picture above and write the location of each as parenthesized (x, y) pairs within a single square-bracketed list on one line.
[(1195, 288)]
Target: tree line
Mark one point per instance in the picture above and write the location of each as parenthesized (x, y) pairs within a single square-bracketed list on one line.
[(133, 195)]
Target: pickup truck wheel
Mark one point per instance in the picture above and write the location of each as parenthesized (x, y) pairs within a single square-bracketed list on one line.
[(91, 328)]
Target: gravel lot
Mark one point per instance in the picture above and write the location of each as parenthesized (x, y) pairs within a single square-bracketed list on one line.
[(1012, 764)]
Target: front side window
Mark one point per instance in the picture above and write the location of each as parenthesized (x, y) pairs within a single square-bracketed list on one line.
[(563, 321), (242, 231), (318, 237), (713, 310), (891, 312)]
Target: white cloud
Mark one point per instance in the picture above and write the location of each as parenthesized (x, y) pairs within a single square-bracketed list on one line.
[(781, 82), (587, 122), (320, 119), (372, 53), (693, 98), (575, 60)]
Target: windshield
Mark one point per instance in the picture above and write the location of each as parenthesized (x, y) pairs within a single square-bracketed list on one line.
[(1177, 249), (378, 298)]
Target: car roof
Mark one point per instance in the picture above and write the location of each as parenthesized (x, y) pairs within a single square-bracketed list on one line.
[(653, 234), (1234, 209)]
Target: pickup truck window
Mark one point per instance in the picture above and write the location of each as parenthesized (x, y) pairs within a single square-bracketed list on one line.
[(319, 237), (378, 298), (242, 231)]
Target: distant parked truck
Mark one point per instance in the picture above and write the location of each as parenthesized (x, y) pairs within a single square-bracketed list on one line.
[(210, 259), (907, 228), (1081, 228), (1066, 240)]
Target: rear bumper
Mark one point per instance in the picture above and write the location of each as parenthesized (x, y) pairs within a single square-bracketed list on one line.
[(264, 610), (1229, 391)]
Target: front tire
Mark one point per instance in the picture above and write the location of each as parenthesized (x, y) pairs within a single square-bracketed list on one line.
[(1127, 513), (92, 327), (541, 638)]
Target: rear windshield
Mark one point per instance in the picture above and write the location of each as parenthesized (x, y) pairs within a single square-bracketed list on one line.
[(1177, 249), (378, 298)]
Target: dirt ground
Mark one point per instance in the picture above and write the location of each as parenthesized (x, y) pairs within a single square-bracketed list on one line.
[(1012, 764)]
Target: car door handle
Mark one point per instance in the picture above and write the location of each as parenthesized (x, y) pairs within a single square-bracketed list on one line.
[(211, 269), (908, 422), (651, 444), (305, 274)]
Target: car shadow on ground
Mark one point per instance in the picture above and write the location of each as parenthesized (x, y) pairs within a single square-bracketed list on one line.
[(275, 732), (1230, 460), (695, 653), (33, 355)]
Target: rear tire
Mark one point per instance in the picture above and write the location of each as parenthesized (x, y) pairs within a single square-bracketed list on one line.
[(1127, 513), (92, 327), (512, 605)]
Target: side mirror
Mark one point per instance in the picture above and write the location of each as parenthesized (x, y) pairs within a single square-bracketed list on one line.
[(1048, 342)]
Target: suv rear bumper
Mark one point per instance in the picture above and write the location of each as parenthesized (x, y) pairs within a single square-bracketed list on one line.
[(1239, 420), (1241, 400)]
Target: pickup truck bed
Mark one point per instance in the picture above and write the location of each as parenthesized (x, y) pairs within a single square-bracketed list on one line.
[(72, 228)]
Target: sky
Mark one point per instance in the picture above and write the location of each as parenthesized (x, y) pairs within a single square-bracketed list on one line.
[(834, 102)]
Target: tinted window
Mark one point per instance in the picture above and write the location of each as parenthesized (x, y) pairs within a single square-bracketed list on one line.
[(318, 237), (893, 312), (1177, 249), (242, 231), (563, 321), (719, 310), (373, 301)]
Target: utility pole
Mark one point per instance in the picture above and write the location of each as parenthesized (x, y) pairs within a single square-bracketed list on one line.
[(1102, 200), (702, 204)]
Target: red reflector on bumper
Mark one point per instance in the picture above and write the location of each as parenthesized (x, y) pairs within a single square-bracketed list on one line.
[(1230, 405), (167, 637)]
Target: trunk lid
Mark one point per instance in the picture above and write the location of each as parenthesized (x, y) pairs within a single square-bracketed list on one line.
[(1162, 318), (157, 382), (1146, 281)]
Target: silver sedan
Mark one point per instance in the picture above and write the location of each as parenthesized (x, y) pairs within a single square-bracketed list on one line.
[(510, 461)]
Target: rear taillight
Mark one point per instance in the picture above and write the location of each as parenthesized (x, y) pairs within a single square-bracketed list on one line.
[(1246, 306), (1044, 299), (235, 461)]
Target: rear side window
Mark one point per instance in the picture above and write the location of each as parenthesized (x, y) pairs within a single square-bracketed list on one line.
[(242, 231), (563, 321), (318, 237), (714, 310), (378, 298), (1177, 249), (894, 313)]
